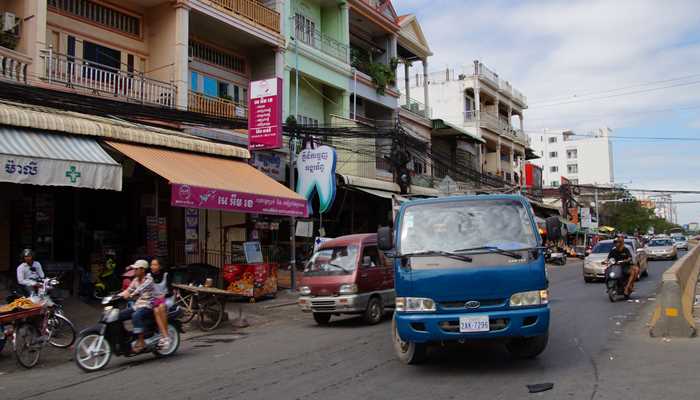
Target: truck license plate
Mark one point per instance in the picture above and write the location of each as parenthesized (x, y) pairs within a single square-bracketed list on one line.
[(474, 324)]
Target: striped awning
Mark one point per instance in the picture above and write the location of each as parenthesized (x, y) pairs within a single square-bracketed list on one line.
[(48, 159)]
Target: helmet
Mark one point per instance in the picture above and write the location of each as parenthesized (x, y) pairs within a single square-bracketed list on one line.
[(27, 253)]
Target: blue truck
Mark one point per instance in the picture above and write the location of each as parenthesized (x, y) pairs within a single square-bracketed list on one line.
[(467, 268)]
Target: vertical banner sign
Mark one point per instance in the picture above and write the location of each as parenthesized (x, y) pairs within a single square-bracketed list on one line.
[(316, 168), (265, 114), (191, 230)]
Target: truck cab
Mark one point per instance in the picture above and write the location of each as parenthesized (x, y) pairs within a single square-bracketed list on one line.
[(467, 268), (347, 275)]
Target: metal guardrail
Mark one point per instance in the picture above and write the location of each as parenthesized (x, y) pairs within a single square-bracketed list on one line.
[(415, 106), (322, 42), (97, 78)]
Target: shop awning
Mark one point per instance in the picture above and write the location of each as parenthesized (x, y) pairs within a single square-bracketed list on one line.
[(47, 159), (199, 181), (363, 183)]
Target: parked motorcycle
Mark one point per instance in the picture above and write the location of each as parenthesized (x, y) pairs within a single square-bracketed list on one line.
[(555, 256), (96, 344), (107, 281), (615, 280)]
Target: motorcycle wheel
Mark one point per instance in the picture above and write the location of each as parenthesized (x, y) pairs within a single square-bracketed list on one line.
[(174, 336), (27, 350), (61, 331), (89, 356), (612, 294)]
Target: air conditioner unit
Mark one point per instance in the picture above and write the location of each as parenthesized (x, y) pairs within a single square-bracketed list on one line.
[(9, 21)]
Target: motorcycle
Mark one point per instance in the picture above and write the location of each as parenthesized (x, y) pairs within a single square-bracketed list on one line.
[(95, 345), (555, 256), (615, 280)]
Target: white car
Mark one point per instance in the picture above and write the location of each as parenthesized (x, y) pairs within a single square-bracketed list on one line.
[(662, 249), (681, 242), (593, 267)]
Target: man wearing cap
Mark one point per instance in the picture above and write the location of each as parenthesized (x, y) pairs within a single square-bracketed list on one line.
[(140, 289), (29, 273), (622, 255)]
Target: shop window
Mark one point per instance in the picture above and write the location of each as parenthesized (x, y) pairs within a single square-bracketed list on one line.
[(101, 55), (210, 86)]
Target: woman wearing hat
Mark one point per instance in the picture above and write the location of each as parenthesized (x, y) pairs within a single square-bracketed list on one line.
[(141, 290)]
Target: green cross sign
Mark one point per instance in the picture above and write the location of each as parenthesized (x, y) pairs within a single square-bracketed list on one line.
[(72, 174)]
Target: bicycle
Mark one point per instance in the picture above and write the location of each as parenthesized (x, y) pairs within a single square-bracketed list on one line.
[(27, 329), (207, 306)]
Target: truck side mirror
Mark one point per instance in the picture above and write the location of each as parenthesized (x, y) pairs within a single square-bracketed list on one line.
[(553, 228), (385, 238)]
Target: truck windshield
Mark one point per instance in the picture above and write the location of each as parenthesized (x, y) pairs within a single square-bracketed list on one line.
[(333, 261), (457, 225)]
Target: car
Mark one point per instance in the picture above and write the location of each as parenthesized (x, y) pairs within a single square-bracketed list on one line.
[(681, 242), (348, 275), (662, 249), (594, 269)]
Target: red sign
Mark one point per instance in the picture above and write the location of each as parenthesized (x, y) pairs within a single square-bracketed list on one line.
[(533, 176), (215, 199), (265, 114)]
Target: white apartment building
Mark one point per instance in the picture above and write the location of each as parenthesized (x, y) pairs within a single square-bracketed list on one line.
[(484, 105), (582, 159)]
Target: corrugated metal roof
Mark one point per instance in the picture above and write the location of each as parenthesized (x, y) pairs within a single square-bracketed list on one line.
[(53, 120), (21, 142)]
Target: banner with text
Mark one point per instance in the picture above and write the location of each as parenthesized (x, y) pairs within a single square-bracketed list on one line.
[(265, 114), (214, 199)]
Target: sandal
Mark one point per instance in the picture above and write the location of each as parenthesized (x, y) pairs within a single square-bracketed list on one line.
[(135, 348)]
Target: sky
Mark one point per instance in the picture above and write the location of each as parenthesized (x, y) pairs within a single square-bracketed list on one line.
[(631, 65)]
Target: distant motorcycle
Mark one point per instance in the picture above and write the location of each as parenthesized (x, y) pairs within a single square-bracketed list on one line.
[(95, 345), (555, 256), (615, 280)]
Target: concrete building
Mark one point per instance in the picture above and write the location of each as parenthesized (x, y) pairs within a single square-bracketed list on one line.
[(584, 159), (483, 104)]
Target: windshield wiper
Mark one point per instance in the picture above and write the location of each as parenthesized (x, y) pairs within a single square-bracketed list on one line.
[(429, 253), (493, 249), (338, 266)]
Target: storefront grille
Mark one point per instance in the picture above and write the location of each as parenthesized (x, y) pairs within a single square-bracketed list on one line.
[(99, 14)]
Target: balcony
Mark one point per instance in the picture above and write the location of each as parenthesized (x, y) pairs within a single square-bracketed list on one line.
[(490, 76), (251, 10), (322, 42), (505, 87), (97, 79), (215, 106), (14, 66), (494, 123), (415, 107), (519, 97)]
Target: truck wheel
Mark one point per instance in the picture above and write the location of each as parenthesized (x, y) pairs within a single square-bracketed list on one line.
[(408, 352), (528, 347), (322, 319), (374, 312)]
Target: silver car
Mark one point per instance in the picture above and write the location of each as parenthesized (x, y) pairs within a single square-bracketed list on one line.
[(662, 249), (681, 242), (593, 267)]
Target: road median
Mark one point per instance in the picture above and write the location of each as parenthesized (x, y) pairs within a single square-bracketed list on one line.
[(673, 315)]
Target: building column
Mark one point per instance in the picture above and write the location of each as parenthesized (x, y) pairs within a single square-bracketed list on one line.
[(33, 39), (279, 62), (511, 157), (499, 170), (407, 82), (520, 119), (426, 99), (510, 115), (181, 67), (477, 114), (345, 25)]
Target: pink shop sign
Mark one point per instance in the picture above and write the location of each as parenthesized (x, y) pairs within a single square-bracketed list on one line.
[(265, 114), (215, 199)]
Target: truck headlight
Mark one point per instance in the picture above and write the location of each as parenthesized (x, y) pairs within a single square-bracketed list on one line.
[(304, 290), (349, 288), (531, 298), (414, 304)]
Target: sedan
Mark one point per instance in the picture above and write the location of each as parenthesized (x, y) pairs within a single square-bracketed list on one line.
[(681, 242), (593, 264), (662, 249)]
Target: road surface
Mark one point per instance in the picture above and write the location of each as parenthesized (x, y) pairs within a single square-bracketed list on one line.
[(289, 357)]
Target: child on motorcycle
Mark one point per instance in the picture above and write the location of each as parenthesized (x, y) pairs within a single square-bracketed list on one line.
[(161, 285)]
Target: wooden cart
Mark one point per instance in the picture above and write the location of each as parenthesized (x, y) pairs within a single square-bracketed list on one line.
[(206, 303)]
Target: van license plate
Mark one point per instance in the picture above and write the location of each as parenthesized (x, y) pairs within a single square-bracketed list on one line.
[(474, 324)]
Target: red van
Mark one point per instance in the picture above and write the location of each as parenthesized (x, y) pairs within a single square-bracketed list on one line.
[(348, 275)]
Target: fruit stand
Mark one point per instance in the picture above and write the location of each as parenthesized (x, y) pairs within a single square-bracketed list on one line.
[(251, 280)]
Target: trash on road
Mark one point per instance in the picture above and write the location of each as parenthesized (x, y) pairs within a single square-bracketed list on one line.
[(540, 387)]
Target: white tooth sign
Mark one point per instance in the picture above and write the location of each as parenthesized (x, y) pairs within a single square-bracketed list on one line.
[(316, 169)]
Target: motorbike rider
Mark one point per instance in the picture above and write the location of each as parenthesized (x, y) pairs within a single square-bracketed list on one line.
[(29, 273), (161, 283), (622, 255), (140, 289)]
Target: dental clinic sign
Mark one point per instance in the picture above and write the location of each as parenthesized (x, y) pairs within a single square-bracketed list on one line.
[(316, 169), (265, 114)]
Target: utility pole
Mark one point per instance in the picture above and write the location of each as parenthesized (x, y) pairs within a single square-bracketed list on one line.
[(597, 215), (292, 168)]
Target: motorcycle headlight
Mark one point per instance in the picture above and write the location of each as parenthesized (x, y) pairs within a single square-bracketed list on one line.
[(348, 289), (304, 290), (531, 298), (415, 304)]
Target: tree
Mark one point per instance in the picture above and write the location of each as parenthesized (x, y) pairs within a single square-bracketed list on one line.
[(632, 216)]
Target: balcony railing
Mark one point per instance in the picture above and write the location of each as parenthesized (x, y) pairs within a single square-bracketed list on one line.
[(484, 71), (415, 107), (505, 87), (252, 10), (216, 106), (14, 66), (519, 97), (495, 123), (94, 78), (322, 42)]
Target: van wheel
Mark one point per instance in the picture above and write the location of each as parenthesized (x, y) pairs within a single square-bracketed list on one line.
[(374, 312), (408, 352), (322, 319), (528, 347)]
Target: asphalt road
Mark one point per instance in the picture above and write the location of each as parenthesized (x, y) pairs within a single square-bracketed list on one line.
[(289, 357)]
